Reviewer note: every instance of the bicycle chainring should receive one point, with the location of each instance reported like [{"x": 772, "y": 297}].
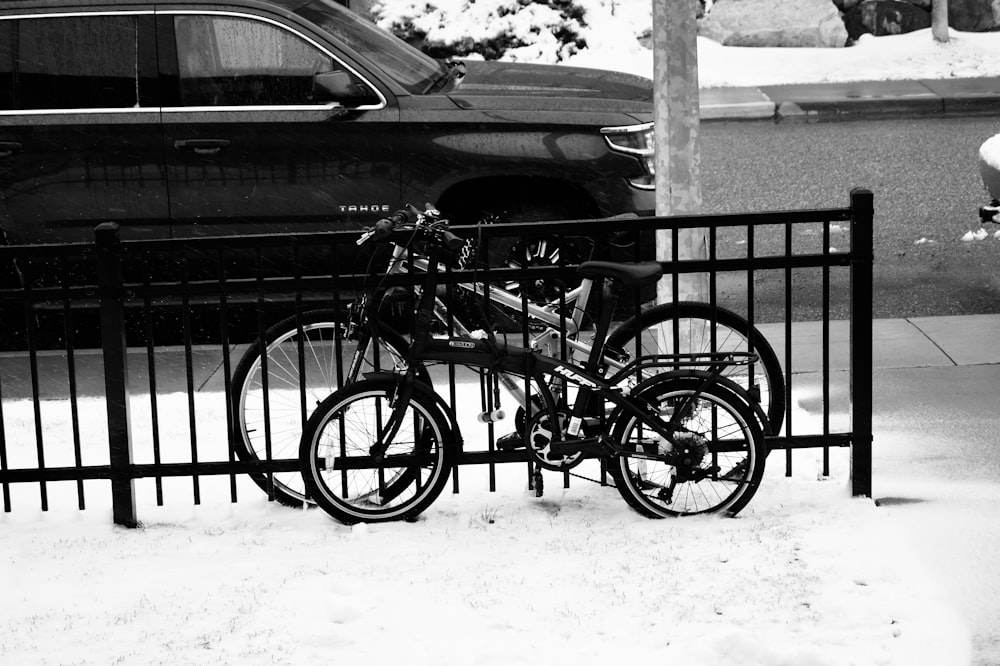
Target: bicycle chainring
[{"x": 541, "y": 435}]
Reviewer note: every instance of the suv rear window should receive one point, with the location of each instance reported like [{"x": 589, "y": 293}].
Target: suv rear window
[{"x": 79, "y": 62}]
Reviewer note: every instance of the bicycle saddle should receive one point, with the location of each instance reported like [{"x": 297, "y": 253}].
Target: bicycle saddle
[{"x": 631, "y": 275}]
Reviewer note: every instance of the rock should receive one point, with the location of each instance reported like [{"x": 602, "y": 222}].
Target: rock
[
  {"x": 774, "y": 23},
  {"x": 894, "y": 17},
  {"x": 974, "y": 15},
  {"x": 885, "y": 17}
]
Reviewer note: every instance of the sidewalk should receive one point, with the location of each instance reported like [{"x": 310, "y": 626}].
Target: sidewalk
[
  {"x": 823, "y": 102},
  {"x": 918, "y": 342},
  {"x": 932, "y": 343}
]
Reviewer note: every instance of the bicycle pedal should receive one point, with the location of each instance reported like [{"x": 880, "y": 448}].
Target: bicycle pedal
[
  {"x": 537, "y": 483},
  {"x": 510, "y": 442}
]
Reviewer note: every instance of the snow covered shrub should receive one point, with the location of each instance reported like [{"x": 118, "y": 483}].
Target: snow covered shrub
[{"x": 519, "y": 30}]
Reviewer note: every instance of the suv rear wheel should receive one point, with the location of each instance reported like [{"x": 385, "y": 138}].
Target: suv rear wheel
[{"x": 516, "y": 252}]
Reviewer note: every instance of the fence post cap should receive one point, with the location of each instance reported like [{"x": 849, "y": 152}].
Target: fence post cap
[
  {"x": 106, "y": 233},
  {"x": 862, "y": 197}
]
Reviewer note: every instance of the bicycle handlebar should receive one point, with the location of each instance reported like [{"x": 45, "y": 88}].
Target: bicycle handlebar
[{"x": 428, "y": 224}]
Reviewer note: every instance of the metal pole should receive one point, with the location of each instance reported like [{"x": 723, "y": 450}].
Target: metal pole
[
  {"x": 110, "y": 288},
  {"x": 676, "y": 124},
  {"x": 862, "y": 261}
]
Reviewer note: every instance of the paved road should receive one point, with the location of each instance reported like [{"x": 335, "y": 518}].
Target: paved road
[{"x": 924, "y": 173}]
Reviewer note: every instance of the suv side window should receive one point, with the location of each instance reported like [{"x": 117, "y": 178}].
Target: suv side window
[
  {"x": 230, "y": 61},
  {"x": 78, "y": 62}
]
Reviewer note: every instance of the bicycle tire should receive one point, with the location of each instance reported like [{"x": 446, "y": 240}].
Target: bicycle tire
[
  {"x": 733, "y": 333},
  {"x": 286, "y": 412},
  {"x": 722, "y": 433},
  {"x": 340, "y": 434}
]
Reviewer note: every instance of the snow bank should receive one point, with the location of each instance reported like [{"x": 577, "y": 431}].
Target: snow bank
[{"x": 899, "y": 57}]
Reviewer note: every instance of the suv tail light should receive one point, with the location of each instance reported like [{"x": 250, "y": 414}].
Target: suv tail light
[{"x": 635, "y": 140}]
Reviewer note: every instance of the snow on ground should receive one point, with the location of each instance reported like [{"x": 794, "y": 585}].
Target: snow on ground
[{"x": 805, "y": 576}]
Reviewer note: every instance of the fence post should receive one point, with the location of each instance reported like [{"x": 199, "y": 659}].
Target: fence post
[
  {"x": 110, "y": 294},
  {"x": 862, "y": 262}
]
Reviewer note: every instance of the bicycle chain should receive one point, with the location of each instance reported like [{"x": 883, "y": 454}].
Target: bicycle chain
[{"x": 587, "y": 478}]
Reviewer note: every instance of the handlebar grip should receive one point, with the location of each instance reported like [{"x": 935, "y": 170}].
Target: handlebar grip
[
  {"x": 407, "y": 215},
  {"x": 382, "y": 229},
  {"x": 451, "y": 241}
]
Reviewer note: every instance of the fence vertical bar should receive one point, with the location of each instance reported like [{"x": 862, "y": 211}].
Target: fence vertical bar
[
  {"x": 31, "y": 335},
  {"x": 74, "y": 406},
  {"x": 789, "y": 343},
  {"x": 112, "y": 313},
  {"x": 862, "y": 263},
  {"x": 826, "y": 347}
]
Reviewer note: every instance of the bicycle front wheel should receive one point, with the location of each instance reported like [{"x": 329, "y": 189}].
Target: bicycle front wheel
[
  {"x": 343, "y": 477},
  {"x": 273, "y": 396},
  {"x": 697, "y": 328},
  {"x": 721, "y": 442}
]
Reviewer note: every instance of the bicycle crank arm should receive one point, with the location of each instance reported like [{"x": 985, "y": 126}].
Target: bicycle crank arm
[{"x": 590, "y": 447}]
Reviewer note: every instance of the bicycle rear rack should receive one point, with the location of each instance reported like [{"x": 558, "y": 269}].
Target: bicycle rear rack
[{"x": 681, "y": 361}]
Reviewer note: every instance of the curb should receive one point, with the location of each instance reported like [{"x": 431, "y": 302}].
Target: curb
[{"x": 831, "y": 102}]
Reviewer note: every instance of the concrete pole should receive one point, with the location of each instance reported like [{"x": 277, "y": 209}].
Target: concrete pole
[
  {"x": 676, "y": 122},
  {"x": 939, "y": 20}
]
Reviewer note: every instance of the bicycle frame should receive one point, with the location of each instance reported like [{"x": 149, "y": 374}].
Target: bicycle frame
[
  {"x": 560, "y": 330},
  {"x": 577, "y": 298},
  {"x": 530, "y": 365},
  {"x": 545, "y": 344},
  {"x": 507, "y": 361}
]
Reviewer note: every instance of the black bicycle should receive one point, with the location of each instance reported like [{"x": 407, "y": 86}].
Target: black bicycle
[
  {"x": 304, "y": 358},
  {"x": 677, "y": 436}
]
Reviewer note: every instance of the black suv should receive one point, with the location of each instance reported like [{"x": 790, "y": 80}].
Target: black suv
[{"x": 228, "y": 117}]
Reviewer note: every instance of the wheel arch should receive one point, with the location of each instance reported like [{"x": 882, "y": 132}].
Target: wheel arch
[{"x": 465, "y": 201}]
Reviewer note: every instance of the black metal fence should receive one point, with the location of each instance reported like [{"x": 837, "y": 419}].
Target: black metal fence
[{"x": 119, "y": 356}]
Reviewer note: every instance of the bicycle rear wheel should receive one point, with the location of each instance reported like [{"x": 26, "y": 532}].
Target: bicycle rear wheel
[
  {"x": 696, "y": 328},
  {"x": 269, "y": 422},
  {"x": 343, "y": 477},
  {"x": 721, "y": 441}
]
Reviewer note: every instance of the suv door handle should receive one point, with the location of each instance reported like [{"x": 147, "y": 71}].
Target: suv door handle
[
  {"x": 202, "y": 146},
  {"x": 8, "y": 148}
]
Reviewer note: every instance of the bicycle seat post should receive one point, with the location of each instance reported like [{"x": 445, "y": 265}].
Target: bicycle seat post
[
  {"x": 605, "y": 313},
  {"x": 592, "y": 365}
]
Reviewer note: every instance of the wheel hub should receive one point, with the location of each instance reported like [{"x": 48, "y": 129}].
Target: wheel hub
[
  {"x": 544, "y": 252},
  {"x": 692, "y": 447}
]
